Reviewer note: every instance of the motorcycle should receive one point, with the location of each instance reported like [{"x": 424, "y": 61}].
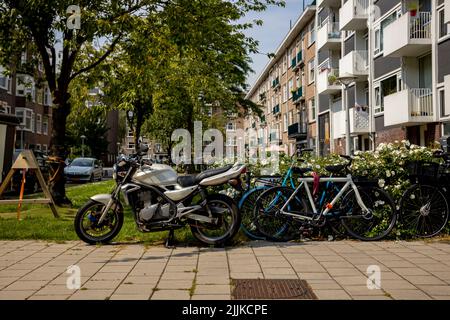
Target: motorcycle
[{"x": 162, "y": 200}]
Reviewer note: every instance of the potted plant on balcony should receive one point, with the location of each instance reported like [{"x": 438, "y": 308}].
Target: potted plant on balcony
[
  {"x": 332, "y": 79},
  {"x": 413, "y": 7}
]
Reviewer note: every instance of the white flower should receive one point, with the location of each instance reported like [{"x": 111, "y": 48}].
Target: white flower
[
  {"x": 381, "y": 183},
  {"x": 412, "y": 196},
  {"x": 388, "y": 173}
]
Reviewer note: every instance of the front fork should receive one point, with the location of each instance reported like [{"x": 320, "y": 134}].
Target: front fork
[{"x": 111, "y": 202}]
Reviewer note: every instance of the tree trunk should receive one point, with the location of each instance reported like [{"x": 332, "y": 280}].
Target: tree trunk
[{"x": 59, "y": 152}]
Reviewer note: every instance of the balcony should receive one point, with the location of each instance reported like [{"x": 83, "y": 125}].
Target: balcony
[
  {"x": 409, "y": 107},
  {"x": 276, "y": 110},
  {"x": 328, "y": 3},
  {"x": 276, "y": 83},
  {"x": 353, "y": 15},
  {"x": 359, "y": 121},
  {"x": 327, "y": 79},
  {"x": 297, "y": 62},
  {"x": 298, "y": 131},
  {"x": 262, "y": 97},
  {"x": 297, "y": 94},
  {"x": 329, "y": 36},
  {"x": 447, "y": 12},
  {"x": 355, "y": 63},
  {"x": 408, "y": 36}
]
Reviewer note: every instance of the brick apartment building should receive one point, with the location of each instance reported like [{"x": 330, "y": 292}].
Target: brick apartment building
[{"x": 397, "y": 56}]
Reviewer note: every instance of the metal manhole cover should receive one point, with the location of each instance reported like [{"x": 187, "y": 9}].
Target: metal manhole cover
[{"x": 271, "y": 289}]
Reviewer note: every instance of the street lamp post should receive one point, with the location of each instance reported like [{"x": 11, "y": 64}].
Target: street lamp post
[
  {"x": 346, "y": 80},
  {"x": 82, "y": 145}
]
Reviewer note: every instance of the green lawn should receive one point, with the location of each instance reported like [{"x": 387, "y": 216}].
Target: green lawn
[{"x": 38, "y": 221}]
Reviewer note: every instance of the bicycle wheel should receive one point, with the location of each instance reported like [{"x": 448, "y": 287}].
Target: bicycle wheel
[
  {"x": 270, "y": 222},
  {"x": 374, "y": 225},
  {"x": 246, "y": 206},
  {"x": 424, "y": 210}
]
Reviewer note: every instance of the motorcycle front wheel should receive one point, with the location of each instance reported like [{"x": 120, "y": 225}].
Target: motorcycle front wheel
[
  {"x": 90, "y": 231},
  {"x": 228, "y": 217}
]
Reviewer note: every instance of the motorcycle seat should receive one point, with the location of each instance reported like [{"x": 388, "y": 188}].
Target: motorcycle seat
[{"x": 191, "y": 180}]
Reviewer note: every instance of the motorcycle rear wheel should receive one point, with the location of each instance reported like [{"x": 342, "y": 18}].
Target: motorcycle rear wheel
[{"x": 225, "y": 209}]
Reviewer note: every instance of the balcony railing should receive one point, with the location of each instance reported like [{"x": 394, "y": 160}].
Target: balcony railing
[
  {"x": 420, "y": 26},
  {"x": 298, "y": 130},
  {"x": 421, "y": 102},
  {"x": 297, "y": 94},
  {"x": 276, "y": 109},
  {"x": 360, "y": 119},
  {"x": 409, "y": 106},
  {"x": 332, "y": 29},
  {"x": 276, "y": 83},
  {"x": 297, "y": 61}
]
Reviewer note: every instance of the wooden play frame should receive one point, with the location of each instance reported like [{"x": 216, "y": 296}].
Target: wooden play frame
[{"x": 27, "y": 161}]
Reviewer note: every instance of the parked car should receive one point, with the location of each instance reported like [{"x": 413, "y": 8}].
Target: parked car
[
  {"x": 84, "y": 170},
  {"x": 31, "y": 183}
]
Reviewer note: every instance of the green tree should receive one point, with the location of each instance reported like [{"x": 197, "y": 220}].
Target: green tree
[{"x": 195, "y": 26}]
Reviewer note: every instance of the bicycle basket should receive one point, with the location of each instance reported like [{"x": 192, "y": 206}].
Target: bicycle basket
[
  {"x": 423, "y": 171},
  {"x": 444, "y": 175},
  {"x": 365, "y": 181}
]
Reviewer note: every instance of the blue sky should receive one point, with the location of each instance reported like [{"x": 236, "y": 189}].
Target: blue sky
[{"x": 272, "y": 32}]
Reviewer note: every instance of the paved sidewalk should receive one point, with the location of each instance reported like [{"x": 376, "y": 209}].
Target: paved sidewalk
[{"x": 335, "y": 270}]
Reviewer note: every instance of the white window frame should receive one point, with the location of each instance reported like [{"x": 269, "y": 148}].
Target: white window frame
[
  {"x": 312, "y": 34},
  {"x": 447, "y": 36},
  {"x": 44, "y": 148},
  {"x": 38, "y": 123},
  {"x": 285, "y": 122},
  {"x": 442, "y": 116},
  {"x": 312, "y": 109},
  {"x": 45, "y": 125},
  {"x": 311, "y": 71}
]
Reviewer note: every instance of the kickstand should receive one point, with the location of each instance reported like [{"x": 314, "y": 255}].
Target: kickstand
[{"x": 170, "y": 241}]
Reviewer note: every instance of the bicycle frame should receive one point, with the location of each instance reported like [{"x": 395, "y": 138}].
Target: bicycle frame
[{"x": 304, "y": 184}]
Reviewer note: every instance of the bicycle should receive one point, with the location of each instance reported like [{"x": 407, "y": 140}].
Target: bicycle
[
  {"x": 247, "y": 201},
  {"x": 424, "y": 207},
  {"x": 366, "y": 211}
]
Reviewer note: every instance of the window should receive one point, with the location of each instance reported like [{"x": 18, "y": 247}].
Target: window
[
  {"x": 290, "y": 120},
  {"x": 230, "y": 126},
  {"x": 5, "y": 107},
  {"x": 378, "y": 107},
  {"x": 444, "y": 30},
  {"x": 311, "y": 71},
  {"x": 38, "y": 123},
  {"x": 130, "y": 145},
  {"x": 384, "y": 88},
  {"x": 26, "y": 117},
  {"x": 312, "y": 34},
  {"x": 445, "y": 110},
  {"x": 387, "y": 21},
  {"x": 47, "y": 97},
  {"x": 312, "y": 109},
  {"x": 285, "y": 122},
  {"x": 45, "y": 125},
  {"x": 33, "y": 122},
  {"x": 290, "y": 87},
  {"x": 44, "y": 148},
  {"x": 4, "y": 81},
  {"x": 38, "y": 147},
  {"x": 377, "y": 48},
  {"x": 285, "y": 93}
]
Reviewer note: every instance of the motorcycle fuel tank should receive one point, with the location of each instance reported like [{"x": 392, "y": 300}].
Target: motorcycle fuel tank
[{"x": 156, "y": 174}]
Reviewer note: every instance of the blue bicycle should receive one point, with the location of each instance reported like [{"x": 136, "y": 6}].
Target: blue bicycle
[{"x": 247, "y": 202}]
